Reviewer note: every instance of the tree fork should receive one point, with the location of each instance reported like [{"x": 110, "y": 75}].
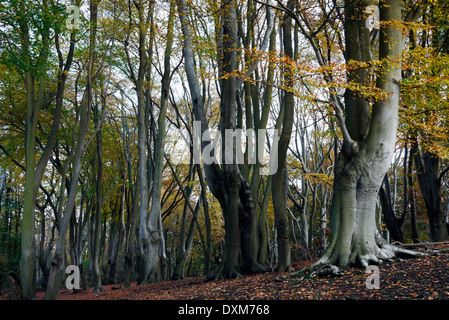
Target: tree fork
[{"x": 355, "y": 239}]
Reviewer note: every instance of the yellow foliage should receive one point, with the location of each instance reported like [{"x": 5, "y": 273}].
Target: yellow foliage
[{"x": 424, "y": 100}]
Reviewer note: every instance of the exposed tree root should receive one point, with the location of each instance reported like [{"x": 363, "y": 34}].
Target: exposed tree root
[
  {"x": 380, "y": 253},
  {"x": 327, "y": 270},
  {"x": 255, "y": 267},
  {"x": 221, "y": 273},
  {"x": 100, "y": 289}
]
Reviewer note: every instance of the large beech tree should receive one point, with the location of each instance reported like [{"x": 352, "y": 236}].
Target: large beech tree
[
  {"x": 369, "y": 141},
  {"x": 368, "y": 129},
  {"x": 225, "y": 181}
]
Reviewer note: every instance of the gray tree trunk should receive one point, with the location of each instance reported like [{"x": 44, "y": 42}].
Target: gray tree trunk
[
  {"x": 428, "y": 173},
  {"x": 359, "y": 172},
  {"x": 280, "y": 178},
  {"x": 226, "y": 183},
  {"x": 94, "y": 259},
  {"x": 151, "y": 226},
  {"x": 182, "y": 254},
  {"x": 142, "y": 139},
  {"x": 56, "y": 267},
  {"x": 394, "y": 224}
]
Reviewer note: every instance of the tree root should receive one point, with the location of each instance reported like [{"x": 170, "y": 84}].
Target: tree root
[
  {"x": 255, "y": 267},
  {"x": 327, "y": 270},
  {"x": 219, "y": 274},
  {"x": 100, "y": 289},
  {"x": 382, "y": 252},
  {"x": 223, "y": 272}
]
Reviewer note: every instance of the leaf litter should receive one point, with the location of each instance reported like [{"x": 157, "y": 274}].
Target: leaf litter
[{"x": 424, "y": 278}]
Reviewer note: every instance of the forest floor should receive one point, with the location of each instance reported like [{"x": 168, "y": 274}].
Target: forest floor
[{"x": 423, "y": 278}]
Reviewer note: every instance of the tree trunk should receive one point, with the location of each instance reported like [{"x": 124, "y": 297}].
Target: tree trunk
[
  {"x": 133, "y": 219},
  {"x": 411, "y": 200},
  {"x": 258, "y": 218},
  {"x": 280, "y": 178},
  {"x": 147, "y": 240},
  {"x": 94, "y": 259},
  {"x": 182, "y": 256},
  {"x": 262, "y": 230},
  {"x": 115, "y": 241},
  {"x": 208, "y": 253},
  {"x": 33, "y": 108},
  {"x": 428, "y": 172},
  {"x": 394, "y": 224},
  {"x": 34, "y": 103},
  {"x": 155, "y": 248},
  {"x": 27, "y": 260},
  {"x": 226, "y": 183},
  {"x": 45, "y": 253},
  {"x": 359, "y": 173},
  {"x": 188, "y": 244},
  {"x": 56, "y": 270},
  {"x": 230, "y": 170},
  {"x": 357, "y": 39}
]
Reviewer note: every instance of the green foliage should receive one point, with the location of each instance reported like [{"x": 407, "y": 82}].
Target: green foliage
[{"x": 36, "y": 21}]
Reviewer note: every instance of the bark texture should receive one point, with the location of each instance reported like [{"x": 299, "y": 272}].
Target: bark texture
[
  {"x": 360, "y": 170},
  {"x": 280, "y": 178},
  {"x": 225, "y": 181}
]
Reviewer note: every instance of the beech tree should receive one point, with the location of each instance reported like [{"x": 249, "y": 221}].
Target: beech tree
[
  {"x": 368, "y": 142},
  {"x": 369, "y": 136},
  {"x": 280, "y": 178},
  {"x": 57, "y": 264},
  {"x": 227, "y": 182}
]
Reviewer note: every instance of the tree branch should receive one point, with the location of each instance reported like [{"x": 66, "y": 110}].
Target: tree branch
[
  {"x": 442, "y": 174},
  {"x": 350, "y": 146}
]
